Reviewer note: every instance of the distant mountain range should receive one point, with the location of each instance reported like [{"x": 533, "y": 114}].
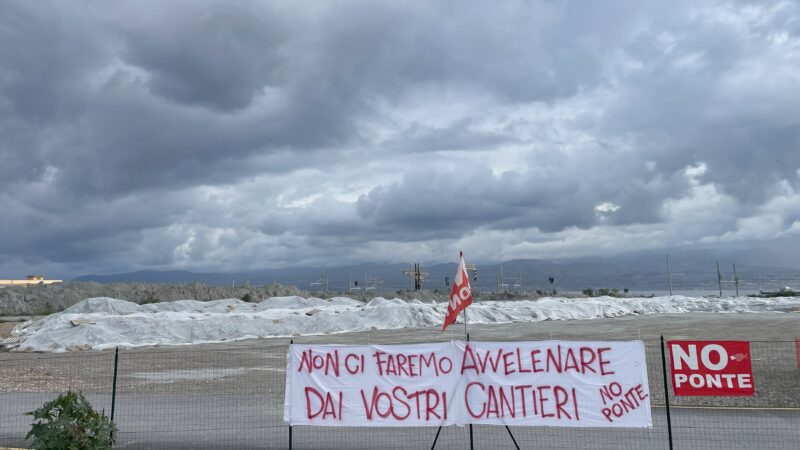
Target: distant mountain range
[{"x": 693, "y": 269}]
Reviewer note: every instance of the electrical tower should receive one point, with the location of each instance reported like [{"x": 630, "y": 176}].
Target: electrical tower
[
  {"x": 322, "y": 282},
  {"x": 518, "y": 283},
  {"x": 371, "y": 284},
  {"x": 473, "y": 270},
  {"x": 417, "y": 275},
  {"x": 504, "y": 282},
  {"x": 502, "y": 286}
]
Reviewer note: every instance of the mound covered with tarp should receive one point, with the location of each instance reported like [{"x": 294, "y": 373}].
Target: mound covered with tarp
[{"x": 99, "y": 323}]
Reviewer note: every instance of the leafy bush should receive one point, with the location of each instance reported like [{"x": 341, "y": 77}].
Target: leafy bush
[
  {"x": 247, "y": 298},
  {"x": 70, "y": 422},
  {"x": 589, "y": 292}
]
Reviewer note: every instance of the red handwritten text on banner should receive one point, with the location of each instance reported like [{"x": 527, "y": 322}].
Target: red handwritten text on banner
[{"x": 577, "y": 384}]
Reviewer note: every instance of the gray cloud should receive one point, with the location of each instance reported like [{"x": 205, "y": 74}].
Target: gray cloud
[{"x": 213, "y": 135}]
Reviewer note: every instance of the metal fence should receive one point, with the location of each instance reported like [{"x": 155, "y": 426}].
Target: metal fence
[{"x": 231, "y": 396}]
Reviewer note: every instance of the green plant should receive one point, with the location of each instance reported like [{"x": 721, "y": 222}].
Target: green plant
[
  {"x": 70, "y": 422},
  {"x": 589, "y": 292},
  {"x": 247, "y": 298}
]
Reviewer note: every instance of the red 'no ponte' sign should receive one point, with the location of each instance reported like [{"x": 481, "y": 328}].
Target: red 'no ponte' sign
[{"x": 711, "y": 368}]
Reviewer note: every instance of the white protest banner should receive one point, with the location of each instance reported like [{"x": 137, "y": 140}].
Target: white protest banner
[{"x": 540, "y": 383}]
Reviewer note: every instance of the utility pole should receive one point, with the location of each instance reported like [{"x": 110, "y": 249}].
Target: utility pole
[
  {"x": 502, "y": 286},
  {"x": 735, "y": 279},
  {"x": 417, "y": 275},
  {"x": 669, "y": 276},
  {"x": 719, "y": 280}
]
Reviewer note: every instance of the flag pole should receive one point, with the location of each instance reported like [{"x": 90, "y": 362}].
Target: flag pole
[
  {"x": 461, "y": 272},
  {"x": 466, "y": 335},
  {"x": 464, "y": 311}
]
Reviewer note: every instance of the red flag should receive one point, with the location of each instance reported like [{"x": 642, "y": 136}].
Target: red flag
[{"x": 460, "y": 295}]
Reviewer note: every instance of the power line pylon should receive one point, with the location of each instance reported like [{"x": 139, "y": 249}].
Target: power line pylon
[
  {"x": 417, "y": 275},
  {"x": 322, "y": 282},
  {"x": 371, "y": 284}
]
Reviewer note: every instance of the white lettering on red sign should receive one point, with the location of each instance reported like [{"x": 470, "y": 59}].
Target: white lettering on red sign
[{"x": 722, "y": 369}]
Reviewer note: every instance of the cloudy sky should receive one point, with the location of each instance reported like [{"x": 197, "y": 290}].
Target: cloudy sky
[{"x": 209, "y": 135}]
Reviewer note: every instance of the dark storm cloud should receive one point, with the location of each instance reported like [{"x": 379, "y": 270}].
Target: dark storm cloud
[
  {"x": 210, "y": 134},
  {"x": 219, "y": 56}
]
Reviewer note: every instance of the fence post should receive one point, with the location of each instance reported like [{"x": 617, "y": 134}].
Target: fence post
[
  {"x": 666, "y": 391},
  {"x": 114, "y": 385},
  {"x": 471, "y": 442},
  {"x": 291, "y": 341}
]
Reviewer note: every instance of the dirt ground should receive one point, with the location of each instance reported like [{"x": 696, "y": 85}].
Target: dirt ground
[
  {"x": 191, "y": 396},
  {"x": 6, "y": 327},
  {"x": 236, "y": 367}
]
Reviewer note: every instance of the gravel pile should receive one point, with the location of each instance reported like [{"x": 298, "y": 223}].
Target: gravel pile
[{"x": 47, "y": 299}]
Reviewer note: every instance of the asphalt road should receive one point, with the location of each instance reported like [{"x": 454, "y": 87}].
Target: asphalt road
[{"x": 242, "y": 421}]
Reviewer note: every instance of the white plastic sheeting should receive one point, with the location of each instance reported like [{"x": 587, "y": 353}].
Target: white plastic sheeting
[{"x": 106, "y": 322}]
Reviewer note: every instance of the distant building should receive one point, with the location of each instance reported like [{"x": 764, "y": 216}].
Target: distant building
[{"x": 30, "y": 279}]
